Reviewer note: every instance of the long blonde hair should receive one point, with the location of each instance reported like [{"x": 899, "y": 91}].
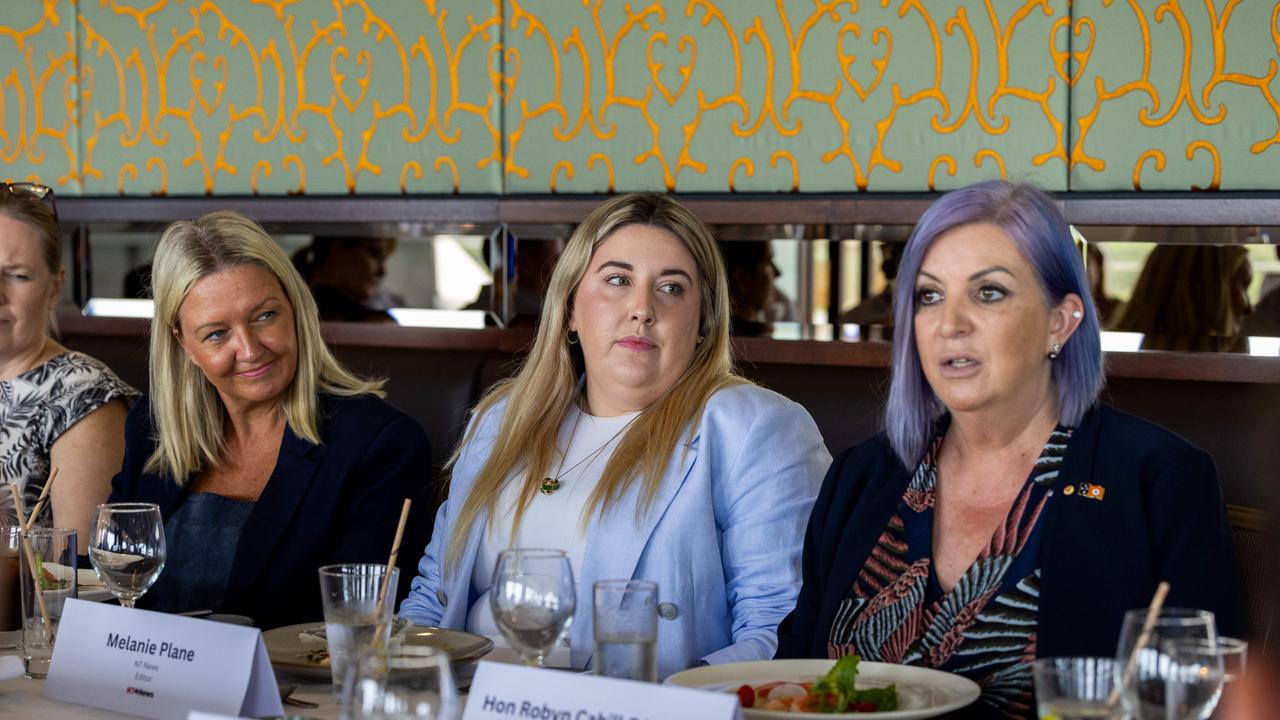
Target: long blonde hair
[
  {"x": 540, "y": 395},
  {"x": 185, "y": 408},
  {"x": 1184, "y": 297}
]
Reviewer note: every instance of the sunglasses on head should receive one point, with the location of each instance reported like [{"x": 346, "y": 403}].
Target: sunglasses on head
[{"x": 33, "y": 190}]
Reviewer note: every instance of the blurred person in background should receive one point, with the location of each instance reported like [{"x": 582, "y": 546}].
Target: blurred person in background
[
  {"x": 58, "y": 408},
  {"x": 749, "y": 267},
  {"x": 345, "y": 276},
  {"x": 1194, "y": 296},
  {"x": 535, "y": 260},
  {"x": 267, "y": 457}
]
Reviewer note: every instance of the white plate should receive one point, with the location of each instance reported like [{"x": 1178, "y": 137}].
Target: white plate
[
  {"x": 922, "y": 693},
  {"x": 94, "y": 594},
  {"x": 288, "y": 651}
]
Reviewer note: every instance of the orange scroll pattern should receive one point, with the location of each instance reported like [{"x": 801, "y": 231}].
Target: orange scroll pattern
[
  {"x": 789, "y": 95},
  {"x": 192, "y": 97},
  {"x": 181, "y": 97},
  {"x": 1175, "y": 95}
]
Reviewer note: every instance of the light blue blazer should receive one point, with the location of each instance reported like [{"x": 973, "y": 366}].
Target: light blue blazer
[{"x": 722, "y": 539}]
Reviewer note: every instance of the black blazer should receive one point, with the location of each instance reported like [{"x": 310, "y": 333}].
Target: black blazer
[
  {"x": 1161, "y": 518},
  {"x": 330, "y": 503}
]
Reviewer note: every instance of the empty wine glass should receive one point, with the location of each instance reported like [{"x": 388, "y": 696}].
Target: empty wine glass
[
  {"x": 533, "y": 600},
  {"x": 126, "y": 547},
  {"x": 1143, "y": 666}
]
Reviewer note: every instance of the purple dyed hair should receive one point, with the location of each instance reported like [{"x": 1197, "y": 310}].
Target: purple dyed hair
[{"x": 1030, "y": 217}]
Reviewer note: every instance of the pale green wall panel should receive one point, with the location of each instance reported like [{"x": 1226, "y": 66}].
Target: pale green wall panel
[
  {"x": 1137, "y": 121},
  {"x": 38, "y": 93},
  {"x": 232, "y": 97},
  {"x": 808, "y": 107}
]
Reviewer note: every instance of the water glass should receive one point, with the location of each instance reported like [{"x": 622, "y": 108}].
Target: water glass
[
  {"x": 1194, "y": 679},
  {"x": 625, "y": 629},
  {"x": 1144, "y": 679},
  {"x": 355, "y": 622},
  {"x": 127, "y": 548},
  {"x": 10, "y": 599},
  {"x": 410, "y": 682},
  {"x": 1075, "y": 688},
  {"x": 532, "y": 600},
  {"x": 47, "y": 574}
]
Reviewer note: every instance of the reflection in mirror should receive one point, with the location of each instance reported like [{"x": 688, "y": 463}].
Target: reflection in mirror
[{"x": 1207, "y": 288}]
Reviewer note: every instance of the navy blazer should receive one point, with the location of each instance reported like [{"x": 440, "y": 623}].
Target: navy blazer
[
  {"x": 335, "y": 502},
  {"x": 1161, "y": 518}
]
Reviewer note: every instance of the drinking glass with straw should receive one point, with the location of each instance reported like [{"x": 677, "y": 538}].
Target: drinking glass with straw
[{"x": 358, "y": 600}]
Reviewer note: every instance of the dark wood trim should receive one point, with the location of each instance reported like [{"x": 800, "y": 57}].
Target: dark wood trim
[
  {"x": 1202, "y": 367},
  {"x": 1185, "y": 208}
]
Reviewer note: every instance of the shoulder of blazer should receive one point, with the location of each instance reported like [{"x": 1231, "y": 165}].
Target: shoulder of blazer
[{"x": 1110, "y": 438}]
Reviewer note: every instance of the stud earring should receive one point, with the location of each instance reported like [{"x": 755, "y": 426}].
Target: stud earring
[
  {"x": 1057, "y": 350},
  {"x": 1077, "y": 314}
]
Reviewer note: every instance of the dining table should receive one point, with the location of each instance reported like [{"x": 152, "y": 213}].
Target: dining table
[{"x": 23, "y": 697}]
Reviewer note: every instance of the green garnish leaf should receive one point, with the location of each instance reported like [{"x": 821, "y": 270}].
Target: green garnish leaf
[
  {"x": 838, "y": 682},
  {"x": 836, "y": 691}
]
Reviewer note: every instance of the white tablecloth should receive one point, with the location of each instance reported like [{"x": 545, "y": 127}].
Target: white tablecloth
[{"x": 24, "y": 698}]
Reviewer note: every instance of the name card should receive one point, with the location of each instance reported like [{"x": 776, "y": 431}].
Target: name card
[
  {"x": 502, "y": 691},
  {"x": 159, "y": 666}
]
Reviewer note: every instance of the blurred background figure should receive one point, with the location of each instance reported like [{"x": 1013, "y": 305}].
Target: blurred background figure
[
  {"x": 1109, "y": 308},
  {"x": 345, "y": 276},
  {"x": 878, "y": 309},
  {"x": 534, "y": 262},
  {"x": 1191, "y": 296},
  {"x": 752, "y": 296}
]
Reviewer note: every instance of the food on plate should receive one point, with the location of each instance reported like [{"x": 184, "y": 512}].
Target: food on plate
[
  {"x": 319, "y": 656},
  {"x": 833, "y": 693}
]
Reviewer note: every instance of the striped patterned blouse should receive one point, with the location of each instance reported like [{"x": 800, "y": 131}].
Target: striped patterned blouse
[{"x": 985, "y": 627}]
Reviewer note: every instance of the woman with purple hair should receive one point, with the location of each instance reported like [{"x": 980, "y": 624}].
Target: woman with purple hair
[{"x": 1004, "y": 513}]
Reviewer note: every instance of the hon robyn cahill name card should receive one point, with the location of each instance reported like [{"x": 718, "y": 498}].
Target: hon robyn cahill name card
[
  {"x": 159, "y": 666},
  {"x": 500, "y": 691}
]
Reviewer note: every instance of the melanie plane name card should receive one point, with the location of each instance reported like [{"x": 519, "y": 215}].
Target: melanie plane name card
[
  {"x": 159, "y": 666},
  {"x": 501, "y": 691}
]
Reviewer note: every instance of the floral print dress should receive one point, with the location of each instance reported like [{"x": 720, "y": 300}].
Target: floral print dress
[
  {"x": 985, "y": 627},
  {"x": 39, "y": 405}
]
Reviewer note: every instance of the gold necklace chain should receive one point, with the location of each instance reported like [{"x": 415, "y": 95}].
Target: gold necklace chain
[{"x": 552, "y": 484}]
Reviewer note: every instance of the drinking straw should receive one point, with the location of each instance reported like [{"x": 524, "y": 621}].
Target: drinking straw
[
  {"x": 395, "y": 551},
  {"x": 31, "y": 559},
  {"x": 1153, "y": 612},
  {"x": 44, "y": 497}
]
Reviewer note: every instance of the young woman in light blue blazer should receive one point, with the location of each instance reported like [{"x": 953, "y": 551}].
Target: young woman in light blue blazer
[{"x": 627, "y": 440}]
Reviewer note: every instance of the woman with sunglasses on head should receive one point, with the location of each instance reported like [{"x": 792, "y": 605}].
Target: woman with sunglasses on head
[
  {"x": 1005, "y": 513},
  {"x": 627, "y": 441},
  {"x": 58, "y": 409}
]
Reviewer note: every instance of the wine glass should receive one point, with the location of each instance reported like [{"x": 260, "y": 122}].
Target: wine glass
[
  {"x": 1143, "y": 666},
  {"x": 1194, "y": 680},
  {"x": 411, "y": 682},
  {"x": 126, "y": 547},
  {"x": 532, "y": 599}
]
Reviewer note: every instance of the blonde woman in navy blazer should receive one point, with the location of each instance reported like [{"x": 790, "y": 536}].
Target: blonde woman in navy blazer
[{"x": 707, "y": 487}]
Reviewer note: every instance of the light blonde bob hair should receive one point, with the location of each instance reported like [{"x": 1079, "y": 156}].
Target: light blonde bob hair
[
  {"x": 544, "y": 390},
  {"x": 186, "y": 410}
]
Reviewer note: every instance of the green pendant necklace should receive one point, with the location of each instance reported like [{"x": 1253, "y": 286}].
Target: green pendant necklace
[{"x": 551, "y": 484}]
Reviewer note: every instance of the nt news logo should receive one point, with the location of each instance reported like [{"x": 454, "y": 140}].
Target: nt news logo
[{"x": 139, "y": 692}]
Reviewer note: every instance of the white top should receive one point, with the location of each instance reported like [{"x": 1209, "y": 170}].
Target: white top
[{"x": 551, "y": 521}]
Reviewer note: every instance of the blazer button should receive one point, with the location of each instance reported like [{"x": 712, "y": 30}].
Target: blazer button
[
  {"x": 444, "y": 599},
  {"x": 668, "y": 611}
]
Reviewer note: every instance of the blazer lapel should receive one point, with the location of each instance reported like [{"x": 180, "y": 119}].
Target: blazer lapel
[
  {"x": 275, "y": 510},
  {"x": 616, "y": 540}
]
